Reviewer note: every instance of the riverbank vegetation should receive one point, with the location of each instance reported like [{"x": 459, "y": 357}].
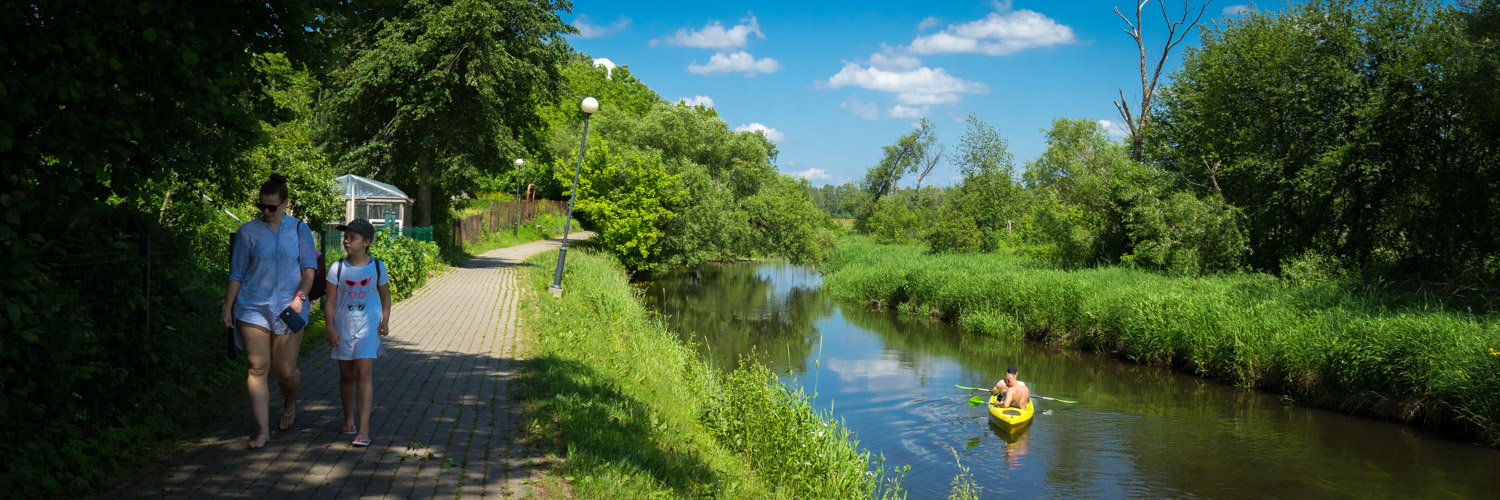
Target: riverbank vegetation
[
  {"x": 1311, "y": 209},
  {"x": 633, "y": 413},
  {"x": 1316, "y": 339}
]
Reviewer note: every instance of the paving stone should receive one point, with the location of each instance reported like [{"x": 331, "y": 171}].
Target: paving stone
[{"x": 444, "y": 383}]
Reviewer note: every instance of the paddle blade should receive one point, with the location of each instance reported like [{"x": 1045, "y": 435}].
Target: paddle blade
[
  {"x": 969, "y": 388},
  {"x": 975, "y": 401}
]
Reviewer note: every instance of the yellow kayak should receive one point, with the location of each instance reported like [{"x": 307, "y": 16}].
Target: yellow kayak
[{"x": 1009, "y": 418}]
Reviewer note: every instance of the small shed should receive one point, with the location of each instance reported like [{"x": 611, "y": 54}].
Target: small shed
[{"x": 366, "y": 198}]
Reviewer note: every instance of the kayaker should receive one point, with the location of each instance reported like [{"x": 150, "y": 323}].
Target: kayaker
[{"x": 1015, "y": 393}]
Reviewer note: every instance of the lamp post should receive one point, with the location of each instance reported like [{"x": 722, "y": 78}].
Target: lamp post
[
  {"x": 589, "y": 106},
  {"x": 517, "y": 205}
]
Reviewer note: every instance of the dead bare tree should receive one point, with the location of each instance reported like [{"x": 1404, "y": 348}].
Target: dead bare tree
[
  {"x": 1177, "y": 31},
  {"x": 929, "y": 159}
]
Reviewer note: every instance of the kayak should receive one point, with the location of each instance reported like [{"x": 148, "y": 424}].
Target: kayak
[{"x": 1010, "y": 418}]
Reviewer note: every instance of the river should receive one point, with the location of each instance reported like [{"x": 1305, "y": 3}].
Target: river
[{"x": 1137, "y": 431}]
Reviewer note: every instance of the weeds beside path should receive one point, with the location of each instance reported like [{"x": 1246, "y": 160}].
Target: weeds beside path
[{"x": 443, "y": 424}]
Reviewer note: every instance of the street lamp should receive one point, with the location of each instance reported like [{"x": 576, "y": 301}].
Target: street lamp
[
  {"x": 517, "y": 210},
  {"x": 589, "y": 106}
]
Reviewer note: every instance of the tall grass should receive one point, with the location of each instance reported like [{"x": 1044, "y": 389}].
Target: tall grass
[
  {"x": 636, "y": 414},
  {"x": 1326, "y": 344}
]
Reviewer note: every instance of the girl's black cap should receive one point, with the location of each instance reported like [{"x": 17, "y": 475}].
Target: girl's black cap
[{"x": 360, "y": 226}]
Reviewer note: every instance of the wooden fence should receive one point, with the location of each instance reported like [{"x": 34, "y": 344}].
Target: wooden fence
[{"x": 501, "y": 216}]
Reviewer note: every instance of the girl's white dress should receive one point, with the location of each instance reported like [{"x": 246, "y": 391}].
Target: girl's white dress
[{"x": 356, "y": 310}]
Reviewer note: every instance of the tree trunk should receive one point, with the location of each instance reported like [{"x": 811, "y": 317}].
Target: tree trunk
[{"x": 424, "y": 191}]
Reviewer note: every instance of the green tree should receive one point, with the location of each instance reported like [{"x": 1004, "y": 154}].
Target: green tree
[
  {"x": 1079, "y": 214},
  {"x": 904, "y": 157},
  {"x": 625, "y": 198},
  {"x": 1358, "y": 130},
  {"x": 438, "y": 94},
  {"x": 988, "y": 195},
  {"x": 733, "y": 203}
]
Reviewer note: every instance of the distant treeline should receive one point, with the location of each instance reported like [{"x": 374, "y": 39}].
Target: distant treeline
[{"x": 1357, "y": 136}]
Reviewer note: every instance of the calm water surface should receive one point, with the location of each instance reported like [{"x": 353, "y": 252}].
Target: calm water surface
[{"x": 1137, "y": 431}]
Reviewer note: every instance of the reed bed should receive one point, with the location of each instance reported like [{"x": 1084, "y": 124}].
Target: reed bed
[{"x": 1412, "y": 360}]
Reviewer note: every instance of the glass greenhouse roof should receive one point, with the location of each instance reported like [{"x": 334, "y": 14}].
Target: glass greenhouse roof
[{"x": 353, "y": 186}]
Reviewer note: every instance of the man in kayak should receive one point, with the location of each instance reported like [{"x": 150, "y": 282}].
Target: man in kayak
[{"x": 1015, "y": 393}]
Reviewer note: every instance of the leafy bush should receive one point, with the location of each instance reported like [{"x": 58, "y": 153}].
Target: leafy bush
[
  {"x": 1185, "y": 235},
  {"x": 407, "y": 259},
  {"x": 956, "y": 232},
  {"x": 1313, "y": 268},
  {"x": 891, "y": 221}
]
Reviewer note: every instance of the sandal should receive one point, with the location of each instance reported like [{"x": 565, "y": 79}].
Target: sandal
[
  {"x": 361, "y": 440},
  {"x": 348, "y": 430},
  {"x": 264, "y": 440},
  {"x": 288, "y": 417}
]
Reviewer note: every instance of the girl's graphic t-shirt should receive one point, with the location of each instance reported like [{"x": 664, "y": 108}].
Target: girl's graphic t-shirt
[{"x": 356, "y": 310}]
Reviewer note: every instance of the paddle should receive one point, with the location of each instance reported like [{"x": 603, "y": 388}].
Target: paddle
[{"x": 976, "y": 398}]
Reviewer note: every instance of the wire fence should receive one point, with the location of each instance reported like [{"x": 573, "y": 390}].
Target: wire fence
[{"x": 109, "y": 290}]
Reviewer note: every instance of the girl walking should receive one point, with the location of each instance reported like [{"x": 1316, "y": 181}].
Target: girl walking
[{"x": 355, "y": 323}]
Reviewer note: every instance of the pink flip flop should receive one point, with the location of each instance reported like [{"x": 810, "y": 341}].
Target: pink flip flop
[
  {"x": 361, "y": 440},
  {"x": 348, "y": 430}
]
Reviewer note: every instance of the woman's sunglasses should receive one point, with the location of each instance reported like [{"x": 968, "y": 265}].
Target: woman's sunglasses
[{"x": 267, "y": 208}]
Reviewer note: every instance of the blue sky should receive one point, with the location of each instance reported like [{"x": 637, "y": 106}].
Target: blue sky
[{"x": 833, "y": 81}]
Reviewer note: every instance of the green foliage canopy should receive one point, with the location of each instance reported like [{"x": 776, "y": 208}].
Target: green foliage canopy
[{"x": 438, "y": 93}]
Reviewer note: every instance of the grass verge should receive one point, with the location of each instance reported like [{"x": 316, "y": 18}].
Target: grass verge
[
  {"x": 634, "y": 414},
  {"x": 1324, "y": 345}
]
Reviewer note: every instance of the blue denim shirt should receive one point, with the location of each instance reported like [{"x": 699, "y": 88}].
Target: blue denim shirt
[{"x": 269, "y": 266}]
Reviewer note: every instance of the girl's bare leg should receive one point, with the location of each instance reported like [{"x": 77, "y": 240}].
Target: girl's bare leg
[
  {"x": 257, "y": 343},
  {"x": 366, "y": 393},
  {"x": 348, "y": 376},
  {"x": 284, "y": 361}
]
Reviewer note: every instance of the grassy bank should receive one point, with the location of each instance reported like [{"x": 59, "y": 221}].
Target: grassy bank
[
  {"x": 1321, "y": 344},
  {"x": 634, "y": 414}
]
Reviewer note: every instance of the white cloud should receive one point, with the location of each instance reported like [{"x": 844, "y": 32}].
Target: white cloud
[
  {"x": 899, "y": 111},
  {"x": 1236, "y": 10},
  {"x": 587, "y": 29},
  {"x": 921, "y": 86},
  {"x": 928, "y": 23},
  {"x": 738, "y": 62},
  {"x": 1002, "y": 32},
  {"x": 864, "y": 110},
  {"x": 714, "y": 36},
  {"x": 891, "y": 59},
  {"x": 1114, "y": 128},
  {"x": 771, "y": 133},
  {"x": 609, "y": 66},
  {"x": 813, "y": 174},
  {"x": 696, "y": 100}
]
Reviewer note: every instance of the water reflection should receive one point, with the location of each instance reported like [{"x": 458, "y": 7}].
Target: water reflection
[
  {"x": 1137, "y": 431},
  {"x": 728, "y": 310}
]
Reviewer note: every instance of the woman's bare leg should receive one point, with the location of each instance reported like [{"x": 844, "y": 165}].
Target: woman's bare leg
[
  {"x": 348, "y": 376},
  {"x": 284, "y": 361},
  {"x": 257, "y": 342}
]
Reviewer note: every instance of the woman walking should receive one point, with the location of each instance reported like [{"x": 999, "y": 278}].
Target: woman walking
[{"x": 270, "y": 274}]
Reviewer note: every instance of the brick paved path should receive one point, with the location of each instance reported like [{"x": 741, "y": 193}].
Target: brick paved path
[{"x": 442, "y": 424}]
